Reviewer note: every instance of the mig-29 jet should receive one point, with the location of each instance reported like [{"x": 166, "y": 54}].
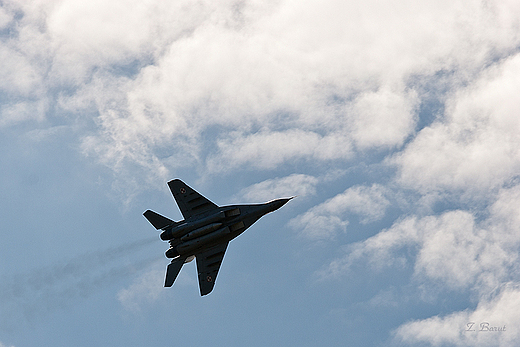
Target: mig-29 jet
[{"x": 205, "y": 232}]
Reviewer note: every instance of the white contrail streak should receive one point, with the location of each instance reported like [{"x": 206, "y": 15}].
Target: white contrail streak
[{"x": 27, "y": 297}]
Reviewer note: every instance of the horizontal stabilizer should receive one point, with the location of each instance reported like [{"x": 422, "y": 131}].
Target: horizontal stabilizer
[
  {"x": 158, "y": 221},
  {"x": 173, "y": 270}
]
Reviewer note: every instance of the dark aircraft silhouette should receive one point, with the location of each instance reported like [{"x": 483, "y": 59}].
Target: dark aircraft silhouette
[{"x": 205, "y": 232}]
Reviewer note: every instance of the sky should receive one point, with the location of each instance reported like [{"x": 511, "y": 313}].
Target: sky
[{"x": 396, "y": 124}]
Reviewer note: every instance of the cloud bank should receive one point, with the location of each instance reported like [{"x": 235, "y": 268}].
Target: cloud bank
[{"x": 298, "y": 78}]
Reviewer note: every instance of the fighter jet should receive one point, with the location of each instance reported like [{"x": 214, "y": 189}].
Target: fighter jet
[{"x": 205, "y": 232}]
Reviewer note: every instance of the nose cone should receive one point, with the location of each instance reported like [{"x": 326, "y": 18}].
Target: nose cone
[{"x": 276, "y": 204}]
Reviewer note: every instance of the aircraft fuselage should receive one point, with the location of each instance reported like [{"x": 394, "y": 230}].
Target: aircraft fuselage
[{"x": 190, "y": 236}]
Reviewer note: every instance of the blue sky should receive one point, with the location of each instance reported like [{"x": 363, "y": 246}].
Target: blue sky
[{"x": 395, "y": 122}]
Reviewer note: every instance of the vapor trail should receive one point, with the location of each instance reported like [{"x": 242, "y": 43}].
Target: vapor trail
[{"x": 27, "y": 297}]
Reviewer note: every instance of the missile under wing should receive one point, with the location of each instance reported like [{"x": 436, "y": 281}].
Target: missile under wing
[{"x": 205, "y": 232}]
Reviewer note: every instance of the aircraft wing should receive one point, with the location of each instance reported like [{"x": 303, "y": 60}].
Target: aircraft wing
[
  {"x": 189, "y": 201},
  {"x": 208, "y": 264},
  {"x": 173, "y": 270}
]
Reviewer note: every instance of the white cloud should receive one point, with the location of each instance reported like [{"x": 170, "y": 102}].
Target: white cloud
[
  {"x": 368, "y": 202},
  {"x": 476, "y": 147},
  {"x": 380, "y": 250},
  {"x": 324, "y": 221},
  {"x": 296, "y": 184},
  {"x": 21, "y": 86},
  {"x": 383, "y": 118},
  {"x": 315, "y": 77},
  {"x": 469, "y": 328},
  {"x": 452, "y": 250},
  {"x": 5, "y": 18},
  {"x": 18, "y": 76},
  {"x": 81, "y": 37},
  {"x": 318, "y": 79},
  {"x": 267, "y": 150}
]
